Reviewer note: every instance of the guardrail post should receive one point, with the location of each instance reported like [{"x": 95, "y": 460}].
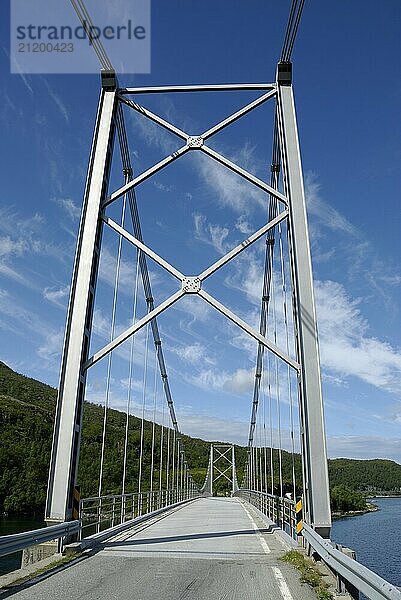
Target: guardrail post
[
  {"x": 344, "y": 586},
  {"x": 113, "y": 510}
]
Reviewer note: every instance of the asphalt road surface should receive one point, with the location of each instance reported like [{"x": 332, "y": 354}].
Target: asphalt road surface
[{"x": 210, "y": 549}]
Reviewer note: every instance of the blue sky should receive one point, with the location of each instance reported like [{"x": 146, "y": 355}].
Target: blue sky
[{"x": 348, "y": 92}]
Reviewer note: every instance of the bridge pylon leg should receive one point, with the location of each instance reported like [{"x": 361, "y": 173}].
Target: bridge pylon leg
[
  {"x": 313, "y": 439},
  {"x": 68, "y": 418}
]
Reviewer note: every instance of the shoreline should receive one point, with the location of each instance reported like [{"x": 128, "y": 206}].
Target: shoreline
[
  {"x": 355, "y": 513},
  {"x": 385, "y": 496}
]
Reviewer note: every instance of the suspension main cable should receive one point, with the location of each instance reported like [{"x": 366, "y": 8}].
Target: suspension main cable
[
  {"x": 87, "y": 24},
  {"x": 292, "y": 29}
]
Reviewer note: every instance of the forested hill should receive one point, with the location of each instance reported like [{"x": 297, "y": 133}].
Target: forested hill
[
  {"x": 26, "y": 427},
  {"x": 366, "y": 475}
]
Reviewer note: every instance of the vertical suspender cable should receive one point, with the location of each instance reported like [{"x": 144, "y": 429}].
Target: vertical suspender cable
[
  {"x": 270, "y": 425},
  {"x": 130, "y": 373},
  {"x": 168, "y": 458},
  {"x": 110, "y": 356},
  {"x": 152, "y": 464},
  {"x": 277, "y": 380},
  {"x": 145, "y": 372},
  {"x": 264, "y": 433},
  {"x": 161, "y": 451},
  {"x": 290, "y": 399},
  {"x": 173, "y": 461}
]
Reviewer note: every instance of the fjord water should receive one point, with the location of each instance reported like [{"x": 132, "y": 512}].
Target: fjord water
[
  {"x": 375, "y": 537},
  {"x": 15, "y": 525}
]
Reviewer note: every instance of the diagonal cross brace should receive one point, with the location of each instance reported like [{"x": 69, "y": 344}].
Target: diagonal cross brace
[
  {"x": 197, "y": 143},
  {"x": 193, "y": 285},
  {"x": 222, "y": 454}
]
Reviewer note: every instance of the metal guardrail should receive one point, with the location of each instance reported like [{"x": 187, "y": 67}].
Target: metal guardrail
[
  {"x": 280, "y": 509},
  {"x": 19, "y": 541},
  {"x": 362, "y": 578}
]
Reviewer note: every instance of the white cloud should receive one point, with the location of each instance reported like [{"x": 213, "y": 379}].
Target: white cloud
[
  {"x": 347, "y": 349},
  {"x": 22, "y": 238},
  {"x": 107, "y": 271},
  {"x": 247, "y": 276},
  {"x": 161, "y": 187},
  {"x": 214, "y": 235},
  {"x": 214, "y": 428},
  {"x": 11, "y": 273},
  {"x": 9, "y": 247},
  {"x": 196, "y": 312},
  {"x": 239, "y": 382},
  {"x": 51, "y": 348},
  {"x": 57, "y": 101},
  {"x": 57, "y": 296},
  {"x": 155, "y": 135},
  {"x": 327, "y": 215},
  {"x": 364, "y": 447},
  {"x": 30, "y": 326},
  {"x": 243, "y": 225},
  {"x": 69, "y": 207},
  {"x": 362, "y": 262},
  {"x": 194, "y": 354},
  {"x": 229, "y": 189}
]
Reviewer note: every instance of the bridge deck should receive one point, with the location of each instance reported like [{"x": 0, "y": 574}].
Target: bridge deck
[{"x": 211, "y": 549}]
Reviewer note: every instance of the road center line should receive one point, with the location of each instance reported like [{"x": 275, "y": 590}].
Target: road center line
[
  {"x": 284, "y": 590},
  {"x": 262, "y": 540}
]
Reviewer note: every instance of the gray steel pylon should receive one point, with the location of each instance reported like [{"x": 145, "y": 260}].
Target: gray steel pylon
[
  {"x": 68, "y": 418},
  {"x": 313, "y": 438}
]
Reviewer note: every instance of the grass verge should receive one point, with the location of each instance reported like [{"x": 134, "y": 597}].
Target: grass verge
[
  {"x": 56, "y": 563},
  {"x": 310, "y": 574}
]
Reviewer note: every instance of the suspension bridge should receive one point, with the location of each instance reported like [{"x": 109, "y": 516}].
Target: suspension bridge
[{"x": 165, "y": 529}]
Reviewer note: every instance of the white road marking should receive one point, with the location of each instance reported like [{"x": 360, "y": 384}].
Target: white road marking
[
  {"x": 285, "y": 592},
  {"x": 262, "y": 540}
]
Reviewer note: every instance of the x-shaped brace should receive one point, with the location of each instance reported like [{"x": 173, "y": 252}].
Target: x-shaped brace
[
  {"x": 196, "y": 142},
  {"x": 193, "y": 285}
]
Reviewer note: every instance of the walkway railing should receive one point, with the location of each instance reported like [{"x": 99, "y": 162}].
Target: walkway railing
[
  {"x": 102, "y": 512},
  {"x": 280, "y": 509},
  {"x": 98, "y": 514}
]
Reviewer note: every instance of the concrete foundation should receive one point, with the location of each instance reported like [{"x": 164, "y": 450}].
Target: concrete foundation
[{"x": 34, "y": 554}]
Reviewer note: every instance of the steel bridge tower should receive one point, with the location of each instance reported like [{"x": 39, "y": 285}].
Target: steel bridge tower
[
  {"x": 221, "y": 465},
  {"x": 291, "y": 204}
]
